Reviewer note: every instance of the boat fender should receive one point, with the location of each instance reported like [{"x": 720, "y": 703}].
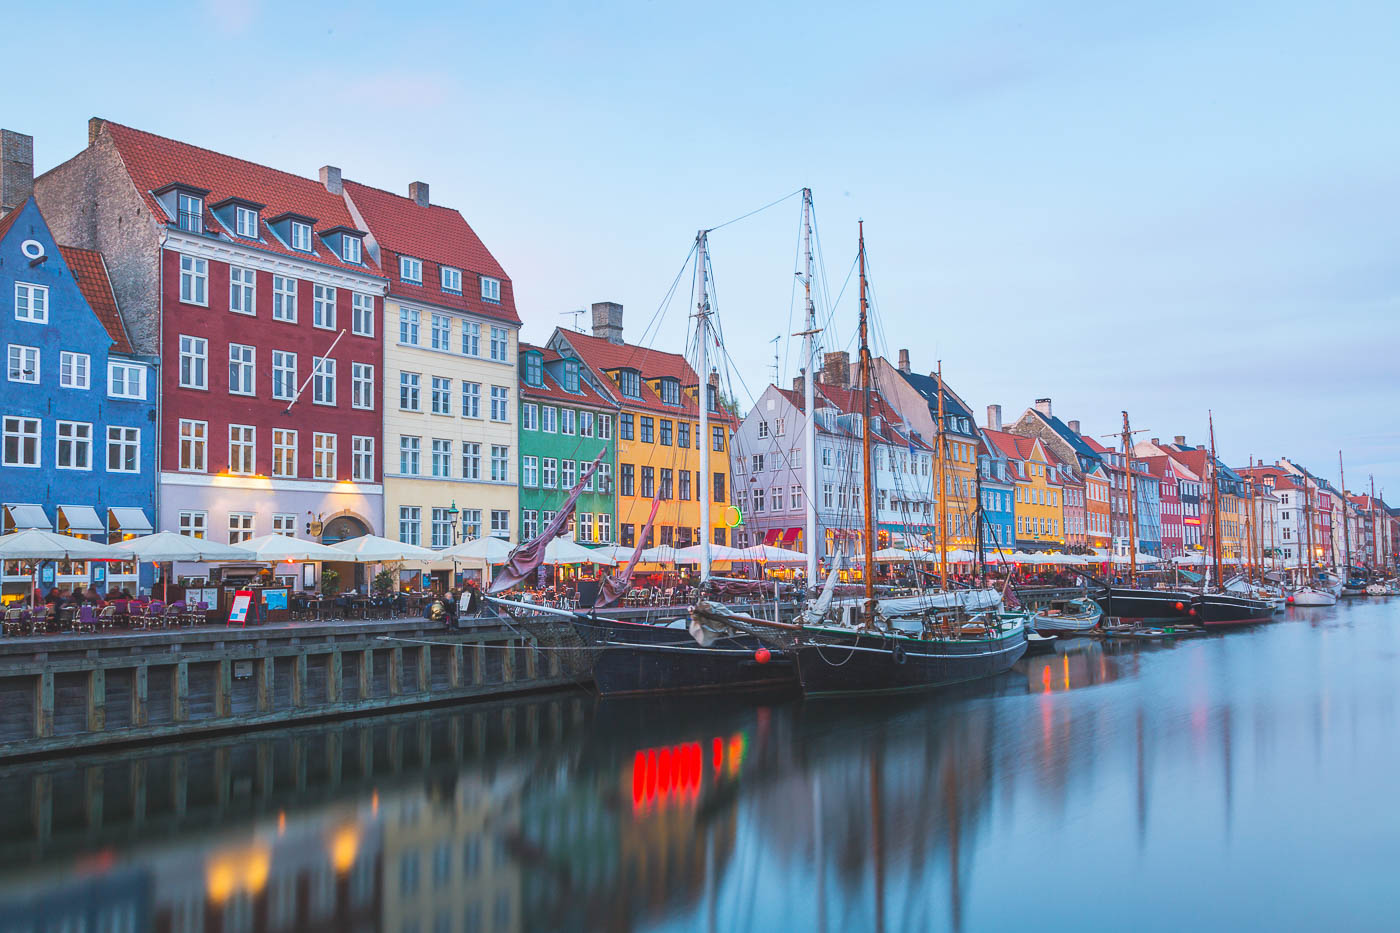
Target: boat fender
[{"x": 898, "y": 654}]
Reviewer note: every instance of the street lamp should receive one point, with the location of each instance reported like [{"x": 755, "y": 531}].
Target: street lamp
[{"x": 452, "y": 513}]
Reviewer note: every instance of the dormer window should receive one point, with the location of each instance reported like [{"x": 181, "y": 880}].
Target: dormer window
[
  {"x": 452, "y": 280},
  {"x": 246, "y": 222},
  {"x": 713, "y": 395},
  {"x": 534, "y": 369},
  {"x": 411, "y": 270},
  {"x": 189, "y": 212},
  {"x": 630, "y": 382},
  {"x": 301, "y": 236},
  {"x": 670, "y": 391},
  {"x": 571, "y": 375},
  {"x": 490, "y": 289},
  {"x": 351, "y": 249}
]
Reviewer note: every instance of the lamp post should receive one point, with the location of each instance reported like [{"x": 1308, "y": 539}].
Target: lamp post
[{"x": 452, "y": 513}]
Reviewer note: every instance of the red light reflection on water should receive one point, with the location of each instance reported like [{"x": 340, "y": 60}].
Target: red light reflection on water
[{"x": 673, "y": 774}]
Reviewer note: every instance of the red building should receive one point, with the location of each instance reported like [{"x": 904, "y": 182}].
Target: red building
[{"x": 1173, "y": 526}]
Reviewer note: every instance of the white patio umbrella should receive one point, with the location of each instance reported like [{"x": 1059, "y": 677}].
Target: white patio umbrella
[
  {"x": 275, "y": 548},
  {"x": 34, "y": 545},
  {"x": 374, "y": 549},
  {"x": 492, "y": 549},
  {"x": 767, "y": 553},
  {"x": 569, "y": 551},
  {"x": 958, "y": 555},
  {"x": 166, "y": 546},
  {"x": 896, "y": 555},
  {"x": 661, "y": 554},
  {"x": 691, "y": 555}
]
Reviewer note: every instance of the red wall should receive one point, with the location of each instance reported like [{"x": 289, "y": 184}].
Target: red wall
[{"x": 221, "y": 327}]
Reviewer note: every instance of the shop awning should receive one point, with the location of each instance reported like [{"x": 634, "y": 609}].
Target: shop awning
[
  {"x": 771, "y": 535},
  {"x": 129, "y": 521},
  {"x": 28, "y": 516},
  {"x": 790, "y": 536},
  {"x": 81, "y": 519}
]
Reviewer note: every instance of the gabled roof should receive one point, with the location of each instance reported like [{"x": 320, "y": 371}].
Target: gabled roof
[
  {"x": 927, "y": 386},
  {"x": 440, "y": 236},
  {"x": 1079, "y": 444},
  {"x": 8, "y": 220},
  {"x": 1011, "y": 446},
  {"x": 607, "y": 356},
  {"x": 90, "y": 272},
  {"x": 553, "y": 391},
  {"x": 154, "y": 162},
  {"x": 851, "y": 402}
]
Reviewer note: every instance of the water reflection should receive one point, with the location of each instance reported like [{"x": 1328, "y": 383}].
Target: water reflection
[{"x": 1230, "y": 764}]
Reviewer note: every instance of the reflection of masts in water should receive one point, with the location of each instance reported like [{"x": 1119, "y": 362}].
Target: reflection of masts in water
[
  {"x": 877, "y": 838},
  {"x": 817, "y": 818},
  {"x": 953, "y": 812},
  {"x": 1229, "y": 768},
  {"x": 1141, "y": 783}
]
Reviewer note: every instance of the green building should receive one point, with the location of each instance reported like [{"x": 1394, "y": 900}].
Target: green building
[{"x": 567, "y": 415}]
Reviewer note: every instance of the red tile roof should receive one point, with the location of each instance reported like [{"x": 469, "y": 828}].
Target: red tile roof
[
  {"x": 91, "y": 274},
  {"x": 8, "y": 220},
  {"x": 440, "y": 236},
  {"x": 849, "y": 401},
  {"x": 154, "y": 161},
  {"x": 554, "y": 392},
  {"x": 607, "y": 357}
]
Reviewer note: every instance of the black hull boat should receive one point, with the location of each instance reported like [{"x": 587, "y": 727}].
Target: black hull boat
[
  {"x": 1147, "y": 605},
  {"x": 1217, "y": 610},
  {"x": 843, "y": 661},
  {"x": 641, "y": 657}
]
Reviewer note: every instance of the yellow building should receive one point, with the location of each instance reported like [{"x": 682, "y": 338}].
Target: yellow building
[
  {"x": 1040, "y": 523},
  {"x": 449, "y": 378},
  {"x": 658, "y": 437}
]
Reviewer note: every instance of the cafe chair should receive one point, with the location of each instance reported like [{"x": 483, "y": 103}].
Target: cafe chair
[
  {"x": 86, "y": 620},
  {"x": 107, "y": 617}
]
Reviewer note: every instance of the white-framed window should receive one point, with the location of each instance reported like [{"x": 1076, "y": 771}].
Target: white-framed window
[
  {"x": 410, "y": 452},
  {"x": 73, "y": 445},
  {"x": 126, "y": 380},
  {"x": 362, "y": 385},
  {"x": 242, "y": 449},
  {"x": 549, "y": 419},
  {"x": 500, "y": 344},
  {"x": 362, "y": 314},
  {"x": 242, "y": 290},
  {"x": 410, "y": 524},
  {"x": 194, "y": 280},
  {"x": 31, "y": 303},
  {"x": 323, "y": 380},
  {"x": 441, "y": 537},
  {"x": 583, "y": 528},
  {"x": 24, "y": 364},
  {"x": 549, "y": 473},
  {"x": 605, "y": 427},
  {"x": 500, "y": 523},
  {"x": 500, "y": 403},
  {"x": 585, "y": 424},
  {"x": 194, "y": 359},
  {"x": 568, "y": 420},
  {"x": 411, "y": 270},
  {"x": 605, "y": 535},
  {"x": 284, "y": 452},
  {"x": 530, "y": 471},
  {"x": 490, "y": 289},
  {"x": 284, "y": 523},
  {"x": 441, "y": 399},
  {"x": 284, "y": 374},
  {"x": 529, "y": 417},
  {"x": 442, "y": 457},
  {"x": 323, "y": 455},
  {"x": 245, "y": 222},
  {"x": 123, "y": 449},
  {"x": 351, "y": 249},
  {"x": 323, "y": 306},
  {"x": 471, "y": 338},
  {"x": 22, "y": 439},
  {"x": 301, "y": 236},
  {"x": 189, "y": 212},
  {"x": 194, "y": 446},
  {"x": 408, "y": 326},
  {"x": 529, "y": 523},
  {"x": 440, "y": 332},
  {"x": 194, "y": 524},
  {"x": 408, "y": 391},
  {"x": 362, "y": 459},
  {"x": 452, "y": 280},
  {"x": 240, "y": 369},
  {"x": 567, "y": 477},
  {"x": 74, "y": 370},
  {"x": 471, "y": 399},
  {"x": 284, "y": 299},
  {"x": 471, "y": 524}
]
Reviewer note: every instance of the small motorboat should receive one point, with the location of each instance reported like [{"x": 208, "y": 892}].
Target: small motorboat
[
  {"x": 1313, "y": 596},
  {"x": 1379, "y": 589},
  {"x": 1071, "y": 615}
]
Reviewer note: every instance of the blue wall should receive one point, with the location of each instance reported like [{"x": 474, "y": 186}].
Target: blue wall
[{"x": 998, "y": 504}]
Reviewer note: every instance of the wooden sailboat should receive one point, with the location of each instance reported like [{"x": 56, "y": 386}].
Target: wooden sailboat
[{"x": 1219, "y": 607}]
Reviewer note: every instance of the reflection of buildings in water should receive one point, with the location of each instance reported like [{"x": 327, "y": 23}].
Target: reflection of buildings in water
[
  {"x": 1081, "y": 662},
  {"x": 112, "y": 900},
  {"x": 569, "y": 851}
]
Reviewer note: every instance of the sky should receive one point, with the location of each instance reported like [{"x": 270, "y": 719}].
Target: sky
[{"x": 1164, "y": 208}]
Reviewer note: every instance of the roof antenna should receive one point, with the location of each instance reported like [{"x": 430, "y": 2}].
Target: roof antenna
[
  {"x": 576, "y": 312},
  {"x": 774, "y": 342}
]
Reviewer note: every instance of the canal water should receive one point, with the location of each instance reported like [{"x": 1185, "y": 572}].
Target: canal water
[{"x": 1231, "y": 782}]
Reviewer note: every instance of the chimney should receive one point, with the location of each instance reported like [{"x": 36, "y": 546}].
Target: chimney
[
  {"x": 1156, "y": 442},
  {"x": 607, "y": 321},
  {"x": 994, "y": 417},
  {"x": 418, "y": 191},
  {"x": 1074, "y": 427},
  {"x": 836, "y": 369},
  {"x": 799, "y": 386},
  {"x": 16, "y": 169},
  {"x": 1042, "y": 405},
  {"x": 1179, "y": 440},
  {"x": 95, "y": 125},
  {"x": 904, "y": 361},
  {"x": 1200, "y": 446},
  {"x": 330, "y": 179}
]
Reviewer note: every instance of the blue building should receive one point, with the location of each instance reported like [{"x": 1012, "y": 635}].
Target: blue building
[
  {"x": 1149, "y": 509},
  {"x": 78, "y": 408},
  {"x": 998, "y": 499}
]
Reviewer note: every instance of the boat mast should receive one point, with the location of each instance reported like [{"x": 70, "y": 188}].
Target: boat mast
[
  {"x": 1307, "y": 517},
  {"x": 702, "y": 397},
  {"x": 1249, "y": 526},
  {"x": 942, "y": 478},
  {"x": 981, "y": 517},
  {"x": 809, "y": 392},
  {"x": 1214, "y": 500},
  {"x": 1375, "y": 532},
  {"x": 1346, "y": 520},
  {"x": 865, "y": 439},
  {"x": 1132, "y": 497}
]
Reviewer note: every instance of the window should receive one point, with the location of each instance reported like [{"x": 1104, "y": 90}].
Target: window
[
  {"x": 530, "y": 471},
  {"x": 410, "y": 269},
  {"x": 648, "y": 429},
  {"x": 284, "y": 523},
  {"x": 123, "y": 450},
  {"x": 625, "y": 426},
  {"x": 630, "y": 382},
  {"x": 440, "y": 332},
  {"x": 683, "y": 434},
  {"x": 21, "y": 442},
  {"x": 442, "y": 457},
  {"x": 499, "y": 344},
  {"x": 245, "y": 222},
  {"x": 408, "y": 326},
  {"x": 193, "y": 524},
  {"x": 189, "y": 212},
  {"x": 500, "y": 463},
  {"x": 31, "y": 303},
  {"x": 795, "y": 497},
  {"x": 566, "y": 474},
  {"x": 719, "y": 487},
  {"x": 441, "y": 396},
  {"x": 762, "y": 429},
  {"x": 126, "y": 381},
  {"x": 665, "y": 432},
  {"x": 534, "y": 369},
  {"x": 500, "y": 399},
  {"x": 551, "y": 473},
  {"x": 685, "y": 485},
  {"x": 490, "y": 289},
  {"x": 242, "y": 290},
  {"x": 605, "y": 427},
  {"x": 471, "y": 462},
  {"x": 73, "y": 370},
  {"x": 240, "y": 526},
  {"x": 583, "y": 528},
  {"x": 627, "y": 475},
  {"x": 500, "y": 523},
  {"x": 604, "y": 527},
  {"x": 758, "y": 500},
  {"x": 301, "y": 236},
  {"x": 362, "y": 314},
  {"x": 194, "y": 280},
  {"x": 441, "y": 535},
  {"x": 24, "y": 364},
  {"x": 529, "y": 523},
  {"x": 471, "y": 400},
  {"x": 585, "y": 424},
  {"x": 471, "y": 338},
  {"x": 408, "y": 391},
  {"x": 361, "y": 385},
  {"x": 530, "y": 416},
  {"x": 322, "y": 380},
  {"x": 409, "y": 450},
  {"x": 240, "y": 369},
  {"x": 452, "y": 280},
  {"x": 671, "y": 395},
  {"x": 549, "y": 419},
  {"x": 648, "y": 482},
  {"x": 351, "y": 249},
  {"x": 242, "y": 449},
  {"x": 323, "y": 451},
  {"x": 717, "y": 439},
  {"x": 471, "y": 524},
  {"x": 284, "y": 374},
  {"x": 362, "y": 459},
  {"x": 194, "y": 352},
  {"x": 323, "y": 306},
  {"x": 74, "y": 445},
  {"x": 284, "y": 299},
  {"x": 410, "y": 524},
  {"x": 757, "y": 463},
  {"x": 667, "y": 486},
  {"x": 194, "y": 439},
  {"x": 284, "y": 452}
]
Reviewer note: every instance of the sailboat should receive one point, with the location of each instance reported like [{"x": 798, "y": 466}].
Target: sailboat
[
  {"x": 1220, "y": 607},
  {"x": 1310, "y": 592}
]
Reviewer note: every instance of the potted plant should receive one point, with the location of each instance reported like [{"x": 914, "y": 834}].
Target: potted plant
[{"x": 330, "y": 582}]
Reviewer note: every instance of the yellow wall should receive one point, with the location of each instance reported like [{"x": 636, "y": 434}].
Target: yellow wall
[
  {"x": 1038, "y": 500},
  {"x": 959, "y": 491}
]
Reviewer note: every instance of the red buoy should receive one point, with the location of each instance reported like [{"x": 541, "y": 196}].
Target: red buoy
[
  {"x": 1290, "y": 600},
  {"x": 763, "y": 655},
  {"x": 1180, "y": 606},
  {"x": 1192, "y": 611}
]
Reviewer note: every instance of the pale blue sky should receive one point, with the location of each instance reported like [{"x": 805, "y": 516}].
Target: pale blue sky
[{"x": 1162, "y": 209}]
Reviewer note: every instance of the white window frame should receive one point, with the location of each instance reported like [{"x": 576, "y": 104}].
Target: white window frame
[
  {"x": 31, "y": 303},
  {"x": 124, "y": 440},
  {"x": 490, "y": 289},
  {"x": 529, "y": 417},
  {"x": 440, "y": 395},
  {"x": 500, "y": 523},
  {"x": 362, "y": 386},
  {"x": 410, "y": 455},
  {"x": 440, "y": 458},
  {"x": 411, "y": 270},
  {"x": 194, "y": 281},
  {"x": 72, "y": 434},
  {"x": 242, "y": 381},
  {"x": 471, "y": 338},
  {"x": 300, "y": 236},
  {"x": 284, "y": 298},
  {"x": 17, "y": 370},
  {"x": 362, "y": 314},
  {"x": 471, "y": 460},
  {"x": 451, "y": 280},
  {"x": 245, "y": 222},
  {"x": 500, "y": 344},
  {"x": 440, "y": 332},
  {"x": 24, "y": 431},
  {"x": 243, "y": 291},
  {"x": 323, "y": 381},
  {"x": 530, "y": 471},
  {"x": 500, "y": 404},
  {"x": 196, "y": 352},
  {"x": 191, "y": 206},
  {"x": 194, "y": 524},
  {"x": 284, "y": 452},
  {"x": 194, "y": 446},
  {"x": 324, "y": 454},
  {"x": 242, "y": 449},
  {"x": 411, "y": 524},
  {"x": 471, "y": 399},
  {"x": 410, "y": 390},
  {"x": 74, "y": 370},
  {"x": 284, "y": 523},
  {"x": 323, "y": 306},
  {"x": 409, "y": 320},
  {"x": 125, "y": 371},
  {"x": 287, "y": 373},
  {"x": 351, "y": 250},
  {"x": 362, "y": 458}
]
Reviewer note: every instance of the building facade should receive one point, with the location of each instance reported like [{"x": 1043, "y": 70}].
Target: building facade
[
  {"x": 1038, "y": 502},
  {"x": 998, "y": 499}
]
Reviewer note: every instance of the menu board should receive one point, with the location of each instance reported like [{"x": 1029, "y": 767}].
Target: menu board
[
  {"x": 238, "y": 612},
  {"x": 275, "y": 599}
]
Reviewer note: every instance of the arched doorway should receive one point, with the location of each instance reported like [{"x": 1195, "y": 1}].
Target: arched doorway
[{"x": 343, "y": 528}]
